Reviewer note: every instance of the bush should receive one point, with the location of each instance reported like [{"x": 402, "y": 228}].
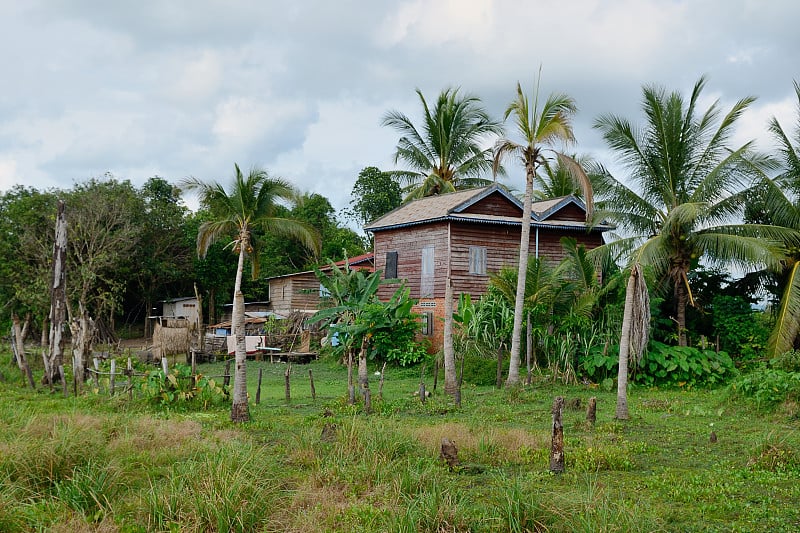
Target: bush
[
  {"x": 179, "y": 387},
  {"x": 481, "y": 371},
  {"x": 664, "y": 365}
]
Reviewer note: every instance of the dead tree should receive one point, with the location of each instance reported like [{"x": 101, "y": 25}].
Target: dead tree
[
  {"x": 58, "y": 303},
  {"x": 557, "y": 442},
  {"x": 18, "y": 334}
]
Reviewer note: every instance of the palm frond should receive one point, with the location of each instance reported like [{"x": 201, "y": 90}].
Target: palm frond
[{"x": 788, "y": 320}]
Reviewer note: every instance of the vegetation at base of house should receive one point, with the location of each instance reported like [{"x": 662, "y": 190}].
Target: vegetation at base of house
[{"x": 98, "y": 463}]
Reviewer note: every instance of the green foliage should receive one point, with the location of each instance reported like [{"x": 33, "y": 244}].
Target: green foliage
[
  {"x": 663, "y": 365},
  {"x": 180, "y": 389},
  {"x": 374, "y": 194},
  {"x": 773, "y": 383},
  {"x": 741, "y": 330},
  {"x": 482, "y": 370},
  {"x": 683, "y": 366}
]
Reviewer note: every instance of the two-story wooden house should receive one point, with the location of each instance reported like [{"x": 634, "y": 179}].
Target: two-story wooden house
[{"x": 466, "y": 236}]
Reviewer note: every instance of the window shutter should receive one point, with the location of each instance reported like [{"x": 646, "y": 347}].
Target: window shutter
[{"x": 391, "y": 265}]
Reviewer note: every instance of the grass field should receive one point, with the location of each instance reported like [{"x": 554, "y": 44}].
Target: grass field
[{"x": 96, "y": 463}]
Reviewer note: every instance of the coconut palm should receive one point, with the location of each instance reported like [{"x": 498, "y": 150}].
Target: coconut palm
[
  {"x": 446, "y": 153},
  {"x": 690, "y": 187},
  {"x": 247, "y": 207},
  {"x": 780, "y": 200},
  {"x": 540, "y": 130}
]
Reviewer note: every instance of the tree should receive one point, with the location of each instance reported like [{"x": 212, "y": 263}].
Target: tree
[
  {"x": 101, "y": 236},
  {"x": 248, "y": 207},
  {"x": 446, "y": 153},
  {"x": 635, "y": 333},
  {"x": 691, "y": 184},
  {"x": 539, "y": 129},
  {"x": 374, "y": 194}
]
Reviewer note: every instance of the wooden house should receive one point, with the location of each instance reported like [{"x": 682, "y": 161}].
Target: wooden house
[
  {"x": 300, "y": 292},
  {"x": 466, "y": 236}
]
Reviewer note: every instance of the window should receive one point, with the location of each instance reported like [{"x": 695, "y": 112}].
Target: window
[
  {"x": 426, "y": 272},
  {"x": 427, "y": 323},
  {"x": 323, "y": 291},
  {"x": 477, "y": 260},
  {"x": 390, "y": 272}
]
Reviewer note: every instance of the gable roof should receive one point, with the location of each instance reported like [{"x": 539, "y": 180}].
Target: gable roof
[{"x": 452, "y": 206}]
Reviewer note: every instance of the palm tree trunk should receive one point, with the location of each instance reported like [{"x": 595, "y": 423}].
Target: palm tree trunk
[
  {"x": 239, "y": 409},
  {"x": 624, "y": 353},
  {"x": 681, "y": 298},
  {"x": 450, "y": 384},
  {"x": 519, "y": 300}
]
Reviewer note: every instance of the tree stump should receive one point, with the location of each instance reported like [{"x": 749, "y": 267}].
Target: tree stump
[
  {"x": 449, "y": 453},
  {"x": 591, "y": 411},
  {"x": 557, "y": 442},
  {"x": 328, "y": 432}
]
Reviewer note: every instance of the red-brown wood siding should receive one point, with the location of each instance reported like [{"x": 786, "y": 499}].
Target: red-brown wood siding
[
  {"x": 495, "y": 204},
  {"x": 294, "y": 293},
  {"x": 569, "y": 212},
  {"x": 502, "y": 249}
]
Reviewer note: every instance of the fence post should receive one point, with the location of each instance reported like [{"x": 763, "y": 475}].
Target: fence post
[
  {"x": 226, "y": 379},
  {"x": 112, "y": 378},
  {"x": 380, "y": 383},
  {"x": 258, "y": 390},
  {"x": 287, "y": 383},
  {"x": 313, "y": 389},
  {"x": 164, "y": 366},
  {"x": 130, "y": 379},
  {"x": 194, "y": 363},
  {"x": 95, "y": 379}
]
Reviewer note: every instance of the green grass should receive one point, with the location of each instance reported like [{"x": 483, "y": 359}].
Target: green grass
[{"x": 95, "y": 463}]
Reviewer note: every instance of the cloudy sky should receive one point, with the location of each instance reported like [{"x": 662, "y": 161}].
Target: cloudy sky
[{"x": 188, "y": 88}]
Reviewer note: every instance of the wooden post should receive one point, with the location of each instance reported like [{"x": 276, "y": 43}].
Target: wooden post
[
  {"x": 591, "y": 411},
  {"x": 367, "y": 400},
  {"x": 380, "y": 385},
  {"x": 58, "y": 298},
  {"x": 130, "y": 379},
  {"x": 194, "y": 362},
  {"x": 313, "y": 389},
  {"x": 112, "y": 378},
  {"x": 287, "y": 384},
  {"x": 435, "y": 374},
  {"x": 258, "y": 390},
  {"x": 422, "y": 384},
  {"x": 164, "y": 366},
  {"x": 74, "y": 376},
  {"x": 63, "y": 379},
  {"x": 226, "y": 380},
  {"x": 528, "y": 348},
  {"x": 351, "y": 390},
  {"x": 557, "y": 442},
  {"x": 499, "y": 378},
  {"x": 457, "y": 396},
  {"x": 95, "y": 379}
]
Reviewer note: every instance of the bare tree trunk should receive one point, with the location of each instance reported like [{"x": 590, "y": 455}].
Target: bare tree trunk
[
  {"x": 449, "y": 355},
  {"x": 624, "y": 351},
  {"x": 240, "y": 411},
  {"x": 557, "y": 442},
  {"x": 635, "y": 333},
  {"x": 522, "y": 272},
  {"x": 58, "y": 299},
  {"x": 591, "y": 411},
  {"x": 363, "y": 375},
  {"x": 18, "y": 346},
  {"x": 82, "y": 334}
]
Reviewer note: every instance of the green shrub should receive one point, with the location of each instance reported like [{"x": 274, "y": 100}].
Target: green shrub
[
  {"x": 481, "y": 371},
  {"x": 768, "y": 386},
  {"x": 180, "y": 387},
  {"x": 683, "y": 366}
]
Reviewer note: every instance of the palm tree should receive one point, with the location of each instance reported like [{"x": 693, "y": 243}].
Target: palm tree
[
  {"x": 691, "y": 185},
  {"x": 540, "y": 129},
  {"x": 446, "y": 153},
  {"x": 780, "y": 199},
  {"x": 249, "y": 206}
]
